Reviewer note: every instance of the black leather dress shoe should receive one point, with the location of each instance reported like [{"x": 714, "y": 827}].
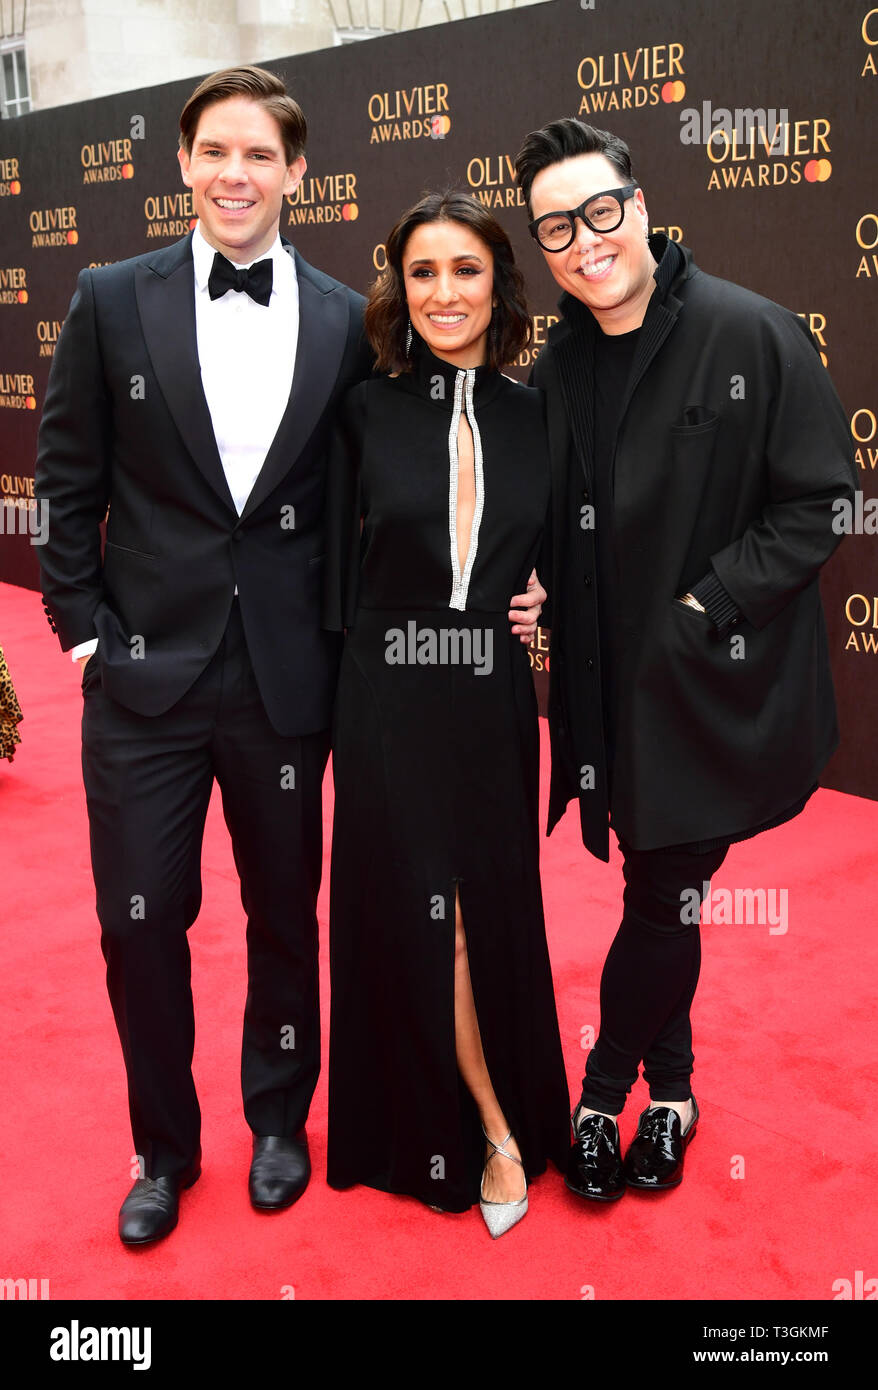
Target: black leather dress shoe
[
  {"x": 654, "y": 1161},
  {"x": 594, "y": 1164},
  {"x": 279, "y": 1171},
  {"x": 150, "y": 1210}
]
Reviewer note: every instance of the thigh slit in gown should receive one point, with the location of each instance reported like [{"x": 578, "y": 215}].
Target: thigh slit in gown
[{"x": 435, "y": 761}]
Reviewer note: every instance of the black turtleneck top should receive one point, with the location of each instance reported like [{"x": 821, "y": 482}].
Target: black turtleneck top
[
  {"x": 613, "y": 356},
  {"x": 393, "y": 465}
]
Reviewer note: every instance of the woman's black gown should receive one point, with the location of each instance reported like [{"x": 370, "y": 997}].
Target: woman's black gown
[{"x": 435, "y": 762}]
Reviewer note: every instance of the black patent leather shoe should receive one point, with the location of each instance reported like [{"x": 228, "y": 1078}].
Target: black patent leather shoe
[
  {"x": 594, "y": 1164},
  {"x": 654, "y": 1161},
  {"x": 279, "y": 1171},
  {"x": 151, "y": 1208}
]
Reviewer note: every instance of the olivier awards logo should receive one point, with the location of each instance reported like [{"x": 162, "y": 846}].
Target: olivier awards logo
[
  {"x": 21, "y": 515},
  {"x": 817, "y": 327},
  {"x": 526, "y": 358},
  {"x": 107, "y": 162},
  {"x": 861, "y": 613},
  {"x": 864, "y": 428},
  {"x": 763, "y": 152},
  {"x": 16, "y": 492},
  {"x": 538, "y": 650},
  {"x": 332, "y": 198},
  {"x": 671, "y": 232},
  {"x": 625, "y": 81},
  {"x": 13, "y": 284},
  {"x": 869, "y": 31},
  {"x": 169, "y": 214},
  {"x": 409, "y": 113},
  {"x": 110, "y": 161},
  {"x": 867, "y": 240},
  {"x": 492, "y": 179},
  {"x": 48, "y": 331},
  {"x": 53, "y": 227},
  {"x": 10, "y": 179},
  {"x": 17, "y": 391}
]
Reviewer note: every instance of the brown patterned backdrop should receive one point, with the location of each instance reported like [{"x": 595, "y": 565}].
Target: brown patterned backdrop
[{"x": 790, "y": 210}]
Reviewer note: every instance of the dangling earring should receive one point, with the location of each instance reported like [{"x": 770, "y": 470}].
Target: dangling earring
[{"x": 408, "y": 340}]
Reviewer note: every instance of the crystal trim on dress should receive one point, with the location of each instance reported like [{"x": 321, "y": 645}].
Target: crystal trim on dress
[{"x": 460, "y": 582}]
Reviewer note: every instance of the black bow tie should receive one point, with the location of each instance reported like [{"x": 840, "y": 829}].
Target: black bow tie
[{"x": 256, "y": 280}]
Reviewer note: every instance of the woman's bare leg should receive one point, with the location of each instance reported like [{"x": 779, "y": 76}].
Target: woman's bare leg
[{"x": 504, "y": 1180}]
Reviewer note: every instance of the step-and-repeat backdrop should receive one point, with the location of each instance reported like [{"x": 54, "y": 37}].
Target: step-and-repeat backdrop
[{"x": 754, "y": 131}]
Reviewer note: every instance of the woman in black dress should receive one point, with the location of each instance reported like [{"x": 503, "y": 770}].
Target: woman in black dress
[{"x": 443, "y": 1026}]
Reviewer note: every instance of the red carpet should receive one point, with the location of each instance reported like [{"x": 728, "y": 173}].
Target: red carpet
[{"x": 785, "y": 1041}]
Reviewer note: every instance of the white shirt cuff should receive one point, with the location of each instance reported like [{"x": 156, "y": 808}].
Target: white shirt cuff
[{"x": 84, "y": 649}]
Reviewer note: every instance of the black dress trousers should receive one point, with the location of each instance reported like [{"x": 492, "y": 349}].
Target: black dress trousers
[{"x": 148, "y": 782}]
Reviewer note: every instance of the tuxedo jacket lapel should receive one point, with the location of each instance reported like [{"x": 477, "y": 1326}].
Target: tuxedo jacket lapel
[
  {"x": 165, "y": 290},
  {"x": 323, "y": 327}
]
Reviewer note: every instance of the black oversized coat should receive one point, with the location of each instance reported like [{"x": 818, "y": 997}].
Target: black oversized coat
[{"x": 732, "y": 446}]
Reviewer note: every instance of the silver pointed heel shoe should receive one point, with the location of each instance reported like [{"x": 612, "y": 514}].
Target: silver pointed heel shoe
[{"x": 500, "y": 1217}]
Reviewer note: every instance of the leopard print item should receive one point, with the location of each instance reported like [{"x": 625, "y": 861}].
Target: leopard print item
[{"x": 10, "y": 712}]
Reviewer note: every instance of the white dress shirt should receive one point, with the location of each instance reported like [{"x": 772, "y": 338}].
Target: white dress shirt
[{"x": 247, "y": 354}]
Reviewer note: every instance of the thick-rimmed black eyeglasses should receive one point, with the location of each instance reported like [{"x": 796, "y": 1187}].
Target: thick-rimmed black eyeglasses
[{"x": 602, "y": 212}]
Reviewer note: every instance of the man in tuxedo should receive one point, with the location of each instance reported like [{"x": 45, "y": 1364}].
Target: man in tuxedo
[
  {"x": 191, "y": 393},
  {"x": 698, "y": 448}
]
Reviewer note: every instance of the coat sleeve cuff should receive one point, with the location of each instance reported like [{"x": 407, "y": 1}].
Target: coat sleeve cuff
[{"x": 716, "y": 601}]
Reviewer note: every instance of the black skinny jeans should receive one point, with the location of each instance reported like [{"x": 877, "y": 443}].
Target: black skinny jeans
[{"x": 649, "y": 979}]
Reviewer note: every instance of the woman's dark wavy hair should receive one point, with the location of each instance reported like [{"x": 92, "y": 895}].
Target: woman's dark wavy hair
[{"x": 387, "y": 314}]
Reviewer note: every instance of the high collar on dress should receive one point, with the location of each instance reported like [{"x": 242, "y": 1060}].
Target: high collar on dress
[{"x": 428, "y": 370}]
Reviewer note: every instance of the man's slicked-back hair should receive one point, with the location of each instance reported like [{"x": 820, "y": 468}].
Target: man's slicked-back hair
[
  {"x": 565, "y": 139},
  {"x": 257, "y": 84}
]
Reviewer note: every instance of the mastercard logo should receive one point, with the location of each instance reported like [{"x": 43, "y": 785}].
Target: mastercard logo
[
  {"x": 128, "y": 171},
  {"x": 22, "y": 296},
  {"x": 72, "y": 238},
  {"x": 440, "y": 125},
  {"x": 673, "y": 91},
  {"x": 15, "y": 186},
  {"x": 30, "y": 402},
  {"x": 817, "y": 170},
  {"x": 350, "y": 212},
  {"x": 192, "y": 222}
]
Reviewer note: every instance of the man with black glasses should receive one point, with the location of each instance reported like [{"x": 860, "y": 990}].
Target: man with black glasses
[{"x": 697, "y": 449}]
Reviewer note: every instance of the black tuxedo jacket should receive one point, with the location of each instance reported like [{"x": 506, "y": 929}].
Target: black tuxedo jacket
[{"x": 126, "y": 426}]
